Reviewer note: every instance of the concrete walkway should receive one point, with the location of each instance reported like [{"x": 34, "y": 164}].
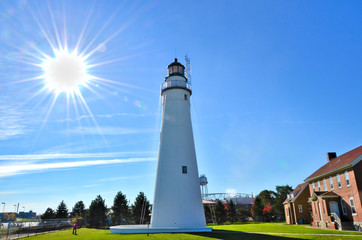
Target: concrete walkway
[{"x": 312, "y": 234}]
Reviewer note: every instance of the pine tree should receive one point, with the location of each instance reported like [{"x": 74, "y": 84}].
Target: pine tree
[
  {"x": 257, "y": 209},
  {"x": 220, "y": 212},
  {"x": 231, "y": 211},
  {"x": 78, "y": 209},
  {"x": 62, "y": 210},
  {"x": 141, "y": 209},
  {"x": 243, "y": 214},
  {"x": 120, "y": 208},
  {"x": 49, "y": 214},
  {"x": 97, "y": 213}
]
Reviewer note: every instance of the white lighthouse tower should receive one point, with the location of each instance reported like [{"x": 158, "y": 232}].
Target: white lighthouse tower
[
  {"x": 177, "y": 205},
  {"x": 177, "y": 200}
]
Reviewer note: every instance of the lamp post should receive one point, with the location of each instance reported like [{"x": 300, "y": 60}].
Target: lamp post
[
  {"x": 15, "y": 208},
  {"x": 24, "y": 208},
  {"x": 4, "y": 206}
]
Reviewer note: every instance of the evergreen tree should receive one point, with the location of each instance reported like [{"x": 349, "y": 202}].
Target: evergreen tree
[
  {"x": 243, "y": 214},
  {"x": 78, "y": 209},
  {"x": 257, "y": 209},
  {"x": 281, "y": 195},
  {"x": 220, "y": 212},
  {"x": 141, "y": 209},
  {"x": 62, "y": 210},
  {"x": 231, "y": 211},
  {"x": 120, "y": 208},
  {"x": 207, "y": 212},
  {"x": 97, "y": 213},
  {"x": 49, "y": 214}
]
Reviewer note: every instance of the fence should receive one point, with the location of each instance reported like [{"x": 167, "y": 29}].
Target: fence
[{"x": 15, "y": 230}]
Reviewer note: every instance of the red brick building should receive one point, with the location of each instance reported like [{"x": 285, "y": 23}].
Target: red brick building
[
  {"x": 296, "y": 207},
  {"x": 336, "y": 192}
]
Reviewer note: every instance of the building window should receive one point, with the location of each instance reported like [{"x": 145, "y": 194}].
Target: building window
[
  {"x": 353, "y": 207},
  {"x": 339, "y": 181},
  {"x": 300, "y": 208},
  {"x": 184, "y": 169},
  {"x": 343, "y": 204},
  {"x": 325, "y": 184},
  {"x": 319, "y": 186},
  {"x": 185, "y": 96},
  {"x": 315, "y": 209},
  {"x": 331, "y": 183},
  {"x": 347, "y": 179},
  {"x": 324, "y": 209},
  {"x": 313, "y": 187}
]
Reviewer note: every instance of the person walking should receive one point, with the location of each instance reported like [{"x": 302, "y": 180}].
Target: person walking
[{"x": 75, "y": 227}]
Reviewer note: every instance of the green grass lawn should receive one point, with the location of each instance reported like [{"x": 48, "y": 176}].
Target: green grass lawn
[{"x": 227, "y": 232}]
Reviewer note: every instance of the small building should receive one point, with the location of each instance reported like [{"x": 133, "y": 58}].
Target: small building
[
  {"x": 296, "y": 207},
  {"x": 336, "y": 190},
  {"x": 29, "y": 215}
]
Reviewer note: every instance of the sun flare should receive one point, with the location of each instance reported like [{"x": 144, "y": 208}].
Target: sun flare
[{"x": 65, "y": 72}]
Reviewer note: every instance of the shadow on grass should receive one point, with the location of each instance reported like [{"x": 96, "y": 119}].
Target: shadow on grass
[{"x": 231, "y": 235}]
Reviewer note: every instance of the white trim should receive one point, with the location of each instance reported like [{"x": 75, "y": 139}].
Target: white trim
[
  {"x": 354, "y": 206},
  {"x": 339, "y": 183},
  {"x": 346, "y": 177},
  {"x": 357, "y": 160},
  {"x": 331, "y": 183}
]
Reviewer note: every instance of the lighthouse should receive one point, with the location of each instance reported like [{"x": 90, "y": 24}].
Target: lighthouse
[
  {"x": 177, "y": 198},
  {"x": 177, "y": 204}
]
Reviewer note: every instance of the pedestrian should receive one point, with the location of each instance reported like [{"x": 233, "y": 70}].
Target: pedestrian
[{"x": 75, "y": 227}]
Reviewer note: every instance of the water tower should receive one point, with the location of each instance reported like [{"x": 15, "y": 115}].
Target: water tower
[{"x": 203, "y": 184}]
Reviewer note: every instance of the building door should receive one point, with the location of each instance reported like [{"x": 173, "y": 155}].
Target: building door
[{"x": 333, "y": 205}]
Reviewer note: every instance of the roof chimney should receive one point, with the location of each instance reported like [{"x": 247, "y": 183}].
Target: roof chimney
[{"x": 331, "y": 156}]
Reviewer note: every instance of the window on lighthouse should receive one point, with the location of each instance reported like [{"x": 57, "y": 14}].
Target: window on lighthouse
[{"x": 184, "y": 169}]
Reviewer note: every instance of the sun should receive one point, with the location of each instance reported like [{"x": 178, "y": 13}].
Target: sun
[{"x": 66, "y": 72}]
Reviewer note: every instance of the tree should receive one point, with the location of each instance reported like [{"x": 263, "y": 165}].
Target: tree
[
  {"x": 49, "y": 214},
  {"x": 231, "y": 211},
  {"x": 243, "y": 214},
  {"x": 207, "y": 211},
  {"x": 257, "y": 209},
  {"x": 62, "y": 210},
  {"x": 120, "y": 208},
  {"x": 141, "y": 209},
  {"x": 281, "y": 195},
  {"x": 78, "y": 209},
  {"x": 97, "y": 213},
  {"x": 220, "y": 212}
]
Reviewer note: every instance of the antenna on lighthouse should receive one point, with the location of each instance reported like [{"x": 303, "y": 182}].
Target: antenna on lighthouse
[{"x": 188, "y": 68}]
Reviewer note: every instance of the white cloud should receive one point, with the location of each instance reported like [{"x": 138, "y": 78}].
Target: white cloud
[
  {"x": 108, "y": 130},
  {"x": 12, "y": 120},
  {"x": 231, "y": 192},
  {"x": 124, "y": 178},
  {"x": 68, "y": 155},
  {"x": 14, "y": 169}
]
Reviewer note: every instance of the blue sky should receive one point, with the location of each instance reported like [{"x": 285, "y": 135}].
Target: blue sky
[{"x": 276, "y": 85}]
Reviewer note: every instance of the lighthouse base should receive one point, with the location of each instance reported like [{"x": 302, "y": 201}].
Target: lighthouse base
[{"x": 134, "y": 229}]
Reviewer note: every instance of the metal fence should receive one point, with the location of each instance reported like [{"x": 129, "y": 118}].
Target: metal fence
[{"x": 15, "y": 230}]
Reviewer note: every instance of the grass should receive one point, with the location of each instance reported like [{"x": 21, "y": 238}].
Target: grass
[{"x": 226, "y": 232}]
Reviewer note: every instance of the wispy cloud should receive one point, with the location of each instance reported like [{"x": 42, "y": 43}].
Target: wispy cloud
[
  {"x": 49, "y": 156},
  {"x": 125, "y": 178},
  {"x": 15, "y": 169},
  {"x": 108, "y": 130},
  {"x": 110, "y": 115},
  {"x": 12, "y": 120}
]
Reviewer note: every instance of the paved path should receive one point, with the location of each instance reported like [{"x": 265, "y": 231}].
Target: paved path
[{"x": 313, "y": 234}]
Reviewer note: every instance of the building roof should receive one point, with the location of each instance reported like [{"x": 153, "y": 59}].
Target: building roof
[
  {"x": 344, "y": 160},
  {"x": 296, "y": 192}
]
